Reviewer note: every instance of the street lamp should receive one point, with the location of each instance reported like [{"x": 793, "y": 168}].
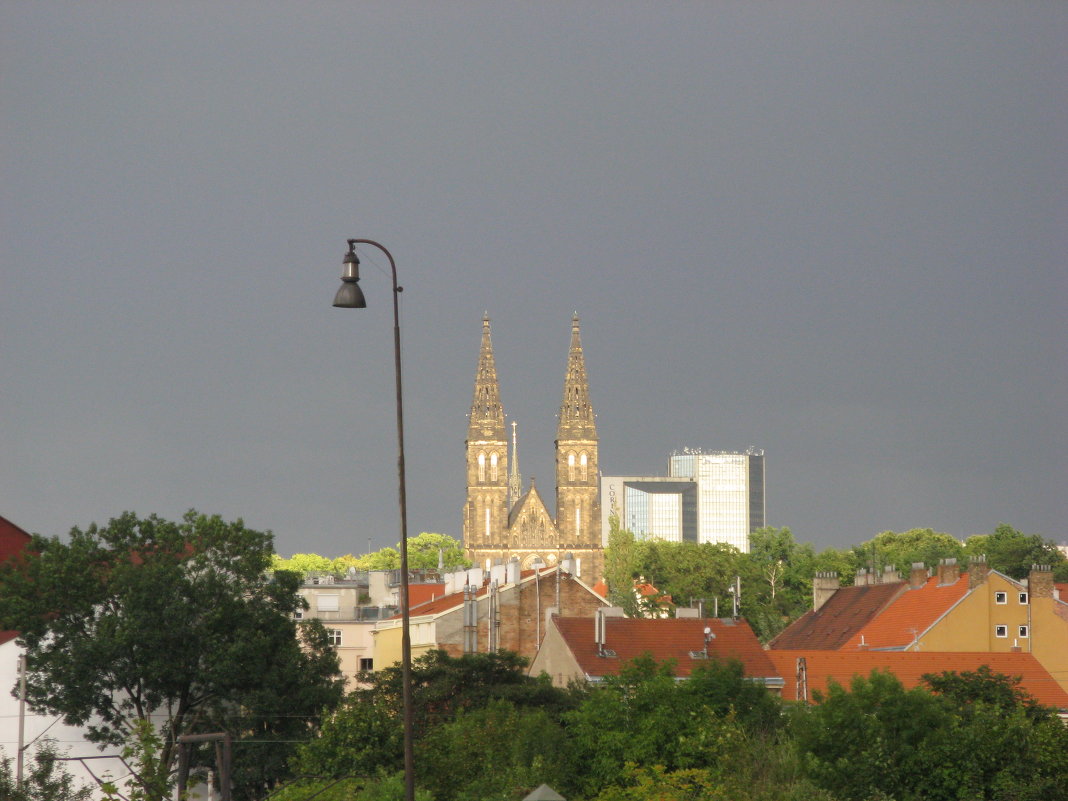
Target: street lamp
[{"x": 350, "y": 296}]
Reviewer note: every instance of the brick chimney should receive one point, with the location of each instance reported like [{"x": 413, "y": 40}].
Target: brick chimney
[
  {"x": 824, "y": 585},
  {"x": 978, "y": 570},
  {"x": 948, "y": 571},
  {"x": 918, "y": 575},
  {"x": 1040, "y": 581}
]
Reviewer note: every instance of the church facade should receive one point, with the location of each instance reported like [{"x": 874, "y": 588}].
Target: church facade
[{"x": 500, "y": 521}]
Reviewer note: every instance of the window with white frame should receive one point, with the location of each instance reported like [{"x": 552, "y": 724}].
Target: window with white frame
[
  {"x": 1001, "y": 597},
  {"x": 1023, "y": 631},
  {"x": 334, "y": 636},
  {"x": 1023, "y": 597},
  {"x": 1001, "y": 631}
]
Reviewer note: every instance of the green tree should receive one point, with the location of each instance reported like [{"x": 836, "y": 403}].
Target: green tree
[
  {"x": 497, "y": 752},
  {"x": 644, "y": 716},
  {"x": 362, "y": 738},
  {"x": 1013, "y": 553},
  {"x": 901, "y": 549},
  {"x": 424, "y": 552},
  {"x": 177, "y": 624},
  {"x": 44, "y": 779}
]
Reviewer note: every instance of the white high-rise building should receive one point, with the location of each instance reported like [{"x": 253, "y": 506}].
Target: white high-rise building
[{"x": 708, "y": 496}]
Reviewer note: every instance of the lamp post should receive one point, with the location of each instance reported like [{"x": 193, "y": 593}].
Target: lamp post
[{"x": 350, "y": 296}]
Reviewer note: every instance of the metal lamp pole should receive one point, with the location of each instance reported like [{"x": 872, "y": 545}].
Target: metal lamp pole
[{"x": 350, "y": 296}]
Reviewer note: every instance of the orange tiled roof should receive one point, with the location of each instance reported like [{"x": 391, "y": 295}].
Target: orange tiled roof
[
  {"x": 840, "y": 618},
  {"x": 909, "y": 615},
  {"x": 910, "y": 666},
  {"x": 668, "y": 638}
]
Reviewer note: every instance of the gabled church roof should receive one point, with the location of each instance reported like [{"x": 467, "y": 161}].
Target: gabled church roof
[{"x": 532, "y": 500}]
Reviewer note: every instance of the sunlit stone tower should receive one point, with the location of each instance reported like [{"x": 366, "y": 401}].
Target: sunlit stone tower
[{"x": 499, "y": 521}]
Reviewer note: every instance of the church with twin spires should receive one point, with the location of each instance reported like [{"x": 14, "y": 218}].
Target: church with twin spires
[{"x": 500, "y": 521}]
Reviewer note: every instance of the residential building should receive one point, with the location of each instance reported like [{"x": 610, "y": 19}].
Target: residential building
[
  {"x": 588, "y": 649},
  {"x": 484, "y": 612},
  {"x": 349, "y": 606},
  {"x": 980, "y": 610},
  {"x": 501, "y": 522},
  {"x": 707, "y": 496}
]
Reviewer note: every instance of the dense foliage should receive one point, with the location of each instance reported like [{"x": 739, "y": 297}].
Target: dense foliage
[
  {"x": 144, "y": 629},
  {"x": 424, "y": 553},
  {"x": 490, "y": 733},
  {"x": 45, "y": 778}
]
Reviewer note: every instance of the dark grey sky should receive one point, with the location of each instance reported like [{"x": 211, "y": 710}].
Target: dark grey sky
[{"x": 836, "y": 231}]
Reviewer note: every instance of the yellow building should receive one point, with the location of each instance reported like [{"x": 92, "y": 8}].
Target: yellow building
[{"x": 978, "y": 610}]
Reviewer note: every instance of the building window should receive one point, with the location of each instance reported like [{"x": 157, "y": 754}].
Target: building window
[
  {"x": 481, "y": 468},
  {"x": 1023, "y": 631},
  {"x": 1023, "y": 597},
  {"x": 1001, "y": 631},
  {"x": 583, "y": 466},
  {"x": 571, "y": 467},
  {"x": 298, "y": 615},
  {"x": 493, "y": 466},
  {"x": 327, "y": 603},
  {"x": 367, "y": 664},
  {"x": 334, "y": 636},
  {"x": 1001, "y": 597}
]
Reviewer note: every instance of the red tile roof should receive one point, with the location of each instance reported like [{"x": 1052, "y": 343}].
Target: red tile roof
[
  {"x": 12, "y": 539},
  {"x": 666, "y": 638},
  {"x": 843, "y": 615},
  {"x": 909, "y": 615},
  {"x": 910, "y": 666}
]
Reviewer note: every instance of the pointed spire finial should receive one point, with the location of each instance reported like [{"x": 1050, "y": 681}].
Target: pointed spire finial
[{"x": 487, "y": 414}]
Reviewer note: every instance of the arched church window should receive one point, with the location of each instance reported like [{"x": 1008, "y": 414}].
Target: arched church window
[
  {"x": 583, "y": 461},
  {"x": 571, "y": 467},
  {"x": 481, "y": 467},
  {"x": 493, "y": 466}
]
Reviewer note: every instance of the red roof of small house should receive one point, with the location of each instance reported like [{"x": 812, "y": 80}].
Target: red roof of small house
[
  {"x": 1062, "y": 590},
  {"x": 909, "y": 667},
  {"x": 12, "y": 539},
  {"x": 663, "y": 638},
  {"x": 909, "y": 615},
  {"x": 843, "y": 615},
  {"x": 421, "y": 593}
]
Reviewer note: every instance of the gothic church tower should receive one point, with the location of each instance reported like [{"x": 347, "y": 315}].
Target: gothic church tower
[
  {"x": 499, "y": 523},
  {"x": 486, "y": 510},
  {"x": 578, "y": 512}
]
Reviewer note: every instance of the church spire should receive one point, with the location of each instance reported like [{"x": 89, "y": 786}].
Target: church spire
[
  {"x": 487, "y": 415},
  {"x": 515, "y": 483},
  {"x": 576, "y": 413}
]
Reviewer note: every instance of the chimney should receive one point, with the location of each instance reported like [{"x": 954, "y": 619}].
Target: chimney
[
  {"x": 948, "y": 571},
  {"x": 978, "y": 570},
  {"x": 824, "y": 585},
  {"x": 862, "y": 579},
  {"x": 918, "y": 575},
  {"x": 1040, "y": 581},
  {"x": 567, "y": 564},
  {"x": 890, "y": 575},
  {"x": 512, "y": 570}
]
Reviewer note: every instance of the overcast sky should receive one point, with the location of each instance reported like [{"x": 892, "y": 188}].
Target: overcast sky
[{"x": 835, "y": 231}]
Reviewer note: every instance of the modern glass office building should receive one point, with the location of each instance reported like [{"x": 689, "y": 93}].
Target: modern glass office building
[{"x": 708, "y": 496}]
